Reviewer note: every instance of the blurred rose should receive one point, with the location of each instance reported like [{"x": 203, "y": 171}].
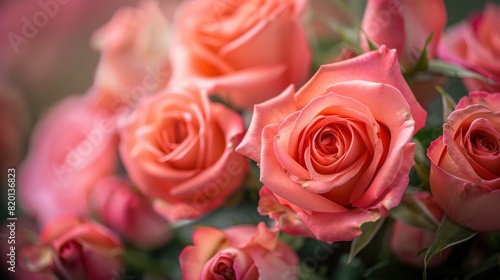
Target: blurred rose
[
  {"x": 245, "y": 51},
  {"x": 338, "y": 151},
  {"x": 404, "y": 25},
  {"x": 408, "y": 241},
  {"x": 71, "y": 149},
  {"x": 25, "y": 235},
  {"x": 134, "y": 56},
  {"x": 239, "y": 252},
  {"x": 475, "y": 44},
  {"x": 74, "y": 249},
  {"x": 14, "y": 121},
  {"x": 125, "y": 211},
  {"x": 465, "y": 173},
  {"x": 178, "y": 148}
]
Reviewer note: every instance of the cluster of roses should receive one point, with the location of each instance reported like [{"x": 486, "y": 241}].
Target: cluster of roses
[{"x": 334, "y": 150}]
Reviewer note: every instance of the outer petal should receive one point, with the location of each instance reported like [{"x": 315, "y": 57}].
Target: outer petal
[
  {"x": 473, "y": 206},
  {"x": 334, "y": 227},
  {"x": 490, "y": 100},
  {"x": 377, "y": 66},
  {"x": 272, "y": 111},
  {"x": 286, "y": 219}
]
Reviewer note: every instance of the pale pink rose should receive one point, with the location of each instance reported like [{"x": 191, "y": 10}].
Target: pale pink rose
[
  {"x": 338, "y": 152},
  {"x": 239, "y": 252},
  {"x": 404, "y": 25},
  {"x": 408, "y": 241},
  {"x": 244, "y": 51},
  {"x": 74, "y": 249},
  {"x": 178, "y": 148},
  {"x": 124, "y": 210},
  {"x": 14, "y": 120},
  {"x": 475, "y": 44},
  {"x": 465, "y": 161},
  {"x": 134, "y": 56},
  {"x": 72, "y": 147}
]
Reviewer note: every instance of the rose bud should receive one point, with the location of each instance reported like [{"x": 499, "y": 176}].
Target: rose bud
[{"x": 125, "y": 211}]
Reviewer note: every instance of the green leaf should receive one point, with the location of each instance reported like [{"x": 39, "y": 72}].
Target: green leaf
[
  {"x": 368, "y": 231},
  {"x": 421, "y": 164},
  {"x": 413, "y": 212},
  {"x": 448, "y": 234},
  {"x": 423, "y": 60},
  {"x": 448, "y": 103},
  {"x": 347, "y": 34},
  {"x": 371, "y": 44},
  {"x": 455, "y": 71}
]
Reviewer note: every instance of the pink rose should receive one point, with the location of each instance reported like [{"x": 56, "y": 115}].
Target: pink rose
[
  {"x": 178, "y": 148},
  {"x": 239, "y": 252},
  {"x": 475, "y": 44},
  {"x": 338, "y": 152},
  {"x": 408, "y": 241},
  {"x": 134, "y": 56},
  {"x": 465, "y": 161},
  {"x": 125, "y": 211},
  {"x": 24, "y": 233},
  {"x": 72, "y": 147},
  {"x": 14, "y": 122},
  {"x": 244, "y": 51},
  {"x": 75, "y": 249},
  {"x": 404, "y": 25}
]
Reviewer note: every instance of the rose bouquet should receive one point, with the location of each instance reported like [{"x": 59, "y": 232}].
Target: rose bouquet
[{"x": 264, "y": 139}]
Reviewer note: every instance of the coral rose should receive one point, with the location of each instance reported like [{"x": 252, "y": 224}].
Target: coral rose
[
  {"x": 178, "y": 148},
  {"x": 465, "y": 163},
  {"x": 338, "y": 152},
  {"x": 475, "y": 44},
  {"x": 239, "y": 252},
  {"x": 245, "y": 51}
]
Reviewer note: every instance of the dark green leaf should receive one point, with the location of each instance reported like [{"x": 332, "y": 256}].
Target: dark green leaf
[
  {"x": 371, "y": 44},
  {"x": 368, "y": 231},
  {"x": 421, "y": 164},
  {"x": 448, "y": 234},
  {"x": 455, "y": 71},
  {"x": 448, "y": 103},
  {"x": 423, "y": 60}
]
